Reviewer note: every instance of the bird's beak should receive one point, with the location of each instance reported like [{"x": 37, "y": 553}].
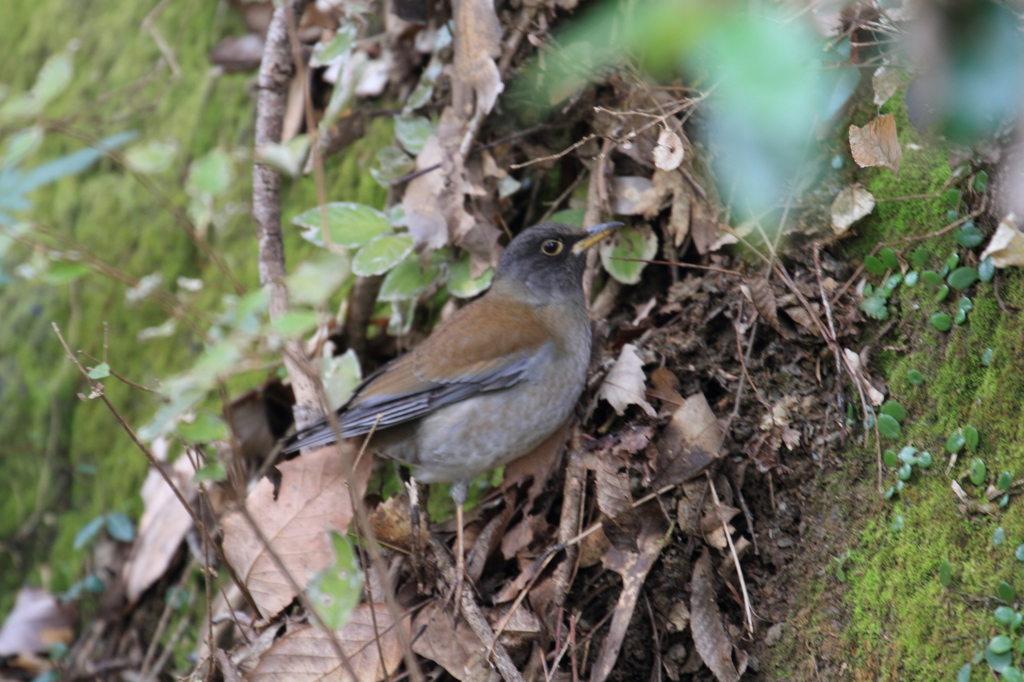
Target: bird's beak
[{"x": 594, "y": 235}]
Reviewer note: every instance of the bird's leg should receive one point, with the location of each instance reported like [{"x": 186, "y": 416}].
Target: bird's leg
[
  {"x": 460, "y": 490},
  {"x": 416, "y": 521}
]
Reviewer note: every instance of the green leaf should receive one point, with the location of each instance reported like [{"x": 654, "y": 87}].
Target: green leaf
[
  {"x": 90, "y": 530},
  {"x": 945, "y": 573},
  {"x": 289, "y": 158},
  {"x": 911, "y": 278},
  {"x": 339, "y": 46},
  {"x": 21, "y": 145},
  {"x": 999, "y": 536},
  {"x": 905, "y": 472},
  {"x": 1005, "y": 591},
  {"x": 214, "y": 471},
  {"x": 980, "y": 181},
  {"x": 965, "y": 673},
  {"x": 874, "y": 307},
  {"x": 961, "y": 278},
  {"x": 915, "y": 377},
  {"x": 1005, "y": 481},
  {"x": 100, "y": 371},
  {"x": 955, "y": 442},
  {"x": 888, "y": 426},
  {"x": 205, "y": 428},
  {"x": 908, "y": 455},
  {"x": 952, "y": 197},
  {"x": 350, "y": 224},
  {"x": 210, "y": 174},
  {"x": 62, "y": 272},
  {"x": 315, "y": 280},
  {"x": 296, "y": 323},
  {"x": 53, "y": 78},
  {"x": 924, "y": 460},
  {"x": 965, "y": 304},
  {"x": 987, "y": 270},
  {"x": 336, "y": 590},
  {"x": 1012, "y": 674},
  {"x": 340, "y": 375},
  {"x": 986, "y": 357},
  {"x": 394, "y": 164},
  {"x": 943, "y": 293},
  {"x": 413, "y": 132},
  {"x": 960, "y": 317},
  {"x": 952, "y": 261},
  {"x": 920, "y": 257},
  {"x": 931, "y": 277},
  {"x": 890, "y": 284},
  {"x": 977, "y": 471},
  {"x": 407, "y": 280},
  {"x": 382, "y": 254},
  {"x": 1004, "y": 614},
  {"x": 151, "y": 157},
  {"x": 1019, "y": 553},
  {"x": 890, "y": 459},
  {"x": 1000, "y": 644},
  {"x": 894, "y": 410},
  {"x": 941, "y": 321},
  {"x": 461, "y": 284},
  {"x": 570, "y": 216},
  {"x": 120, "y": 527},
  {"x": 889, "y": 259},
  {"x": 628, "y": 242},
  {"x": 998, "y": 662},
  {"x": 874, "y": 265},
  {"x": 969, "y": 235},
  {"x": 897, "y": 524},
  {"x": 971, "y": 437}
]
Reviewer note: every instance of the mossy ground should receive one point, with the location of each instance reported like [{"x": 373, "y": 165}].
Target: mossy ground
[
  {"x": 892, "y": 619},
  {"x": 63, "y": 461}
]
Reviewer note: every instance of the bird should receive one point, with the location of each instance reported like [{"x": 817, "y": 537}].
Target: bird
[{"x": 491, "y": 382}]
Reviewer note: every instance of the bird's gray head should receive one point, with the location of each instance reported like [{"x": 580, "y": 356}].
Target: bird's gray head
[{"x": 549, "y": 259}]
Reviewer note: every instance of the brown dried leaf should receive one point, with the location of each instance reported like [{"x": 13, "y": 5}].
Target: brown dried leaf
[
  {"x": 517, "y": 538},
  {"x": 709, "y": 636},
  {"x": 665, "y": 385},
  {"x": 885, "y": 81},
  {"x": 313, "y": 498},
  {"x": 763, "y": 298},
  {"x": 36, "y": 622},
  {"x": 537, "y": 465},
  {"x": 612, "y": 482},
  {"x": 672, "y": 183},
  {"x": 689, "y": 443},
  {"x": 634, "y": 195},
  {"x": 455, "y": 648},
  {"x": 850, "y": 205},
  {"x": 593, "y": 547},
  {"x": 477, "y": 44},
  {"x": 427, "y": 223},
  {"x": 626, "y": 384},
  {"x": 876, "y": 144},
  {"x": 307, "y": 654},
  {"x": 633, "y": 567},
  {"x": 1007, "y": 245},
  {"x": 162, "y": 528},
  {"x": 391, "y": 522},
  {"x": 669, "y": 152}
]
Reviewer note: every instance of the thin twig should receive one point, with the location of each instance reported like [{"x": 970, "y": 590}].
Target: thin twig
[
  {"x": 815, "y": 249},
  {"x": 732, "y": 550}
]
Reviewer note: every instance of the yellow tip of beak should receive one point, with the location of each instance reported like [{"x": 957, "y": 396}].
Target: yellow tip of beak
[{"x": 595, "y": 234}]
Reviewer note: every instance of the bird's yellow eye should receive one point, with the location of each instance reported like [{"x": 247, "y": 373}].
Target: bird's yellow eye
[{"x": 551, "y": 247}]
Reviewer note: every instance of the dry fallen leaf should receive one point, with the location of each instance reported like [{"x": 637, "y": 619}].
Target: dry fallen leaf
[
  {"x": 669, "y": 152},
  {"x": 876, "y": 144},
  {"x": 162, "y": 528},
  {"x": 453, "y": 647},
  {"x": 312, "y": 499},
  {"x": 885, "y": 81},
  {"x": 477, "y": 43},
  {"x": 672, "y": 183},
  {"x": 1007, "y": 245},
  {"x": 307, "y": 654},
  {"x": 626, "y": 384},
  {"x": 427, "y": 224},
  {"x": 709, "y": 636},
  {"x": 633, "y": 195},
  {"x": 689, "y": 443},
  {"x": 850, "y": 205},
  {"x": 37, "y": 622}
]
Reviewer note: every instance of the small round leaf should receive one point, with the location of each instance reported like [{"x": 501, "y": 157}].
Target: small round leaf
[
  {"x": 941, "y": 321},
  {"x": 976, "y": 471},
  {"x": 120, "y": 527},
  {"x": 955, "y": 442},
  {"x": 1005, "y": 481},
  {"x": 961, "y": 278},
  {"x": 1000, "y": 644},
  {"x": 920, "y": 257},
  {"x": 924, "y": 460},
  {"x": 905, "y": 472},
  {"x": 894, "y": 410},
  {"x": 381, "y": 254},
  {"x": 874, "y": 265},
  {"x": 931, "y": 277},
  {"x": 987, "y": 270},
  {"x": 986, "y": 357},
  {"x": 945, "y": 573},
  {"x": 999, "y": 537},
  {"x": 1005, "y": 590},
  {"x": 915, "y": 377},
  {"x": 889, "y": 259},
  {"x": 971, "y": 437},
  {"x": 1004, "y": 614},
  {"x": 969, "y": 235},
  {"x": 911, "y": 278},
  {"x": 888, "y": 426},
  {"x": 890, "y": 459}
]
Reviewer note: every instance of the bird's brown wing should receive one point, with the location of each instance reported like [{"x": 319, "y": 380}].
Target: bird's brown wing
[{"x": 478, "y": 349}]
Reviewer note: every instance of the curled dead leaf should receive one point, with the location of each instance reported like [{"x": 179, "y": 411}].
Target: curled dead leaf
[
  {"x": 885, "y": 81},
  {"x": 669, "y": 152},
  {"x": 709, "y": 635},
  {"x": 1007, "y": 245},
  {"x": 850, "y": 205},
  {"x": 35, "y": 624},
  {"x": 689, "y": 443},
  {"x": 873, "y": 395},
  {"x": 876, "y": 144},
  {"x": 477, "y": 44},
  {"x": 626, "y": 384}
]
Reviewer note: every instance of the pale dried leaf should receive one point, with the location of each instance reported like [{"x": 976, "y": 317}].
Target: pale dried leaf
[
  {"x": 709, "y": 636},
  {"x": 477, "y": 44},
  {"x": 876, "y": 144},
  {"x": 313, "y": 499},
  {"x": 672, "y": 183},
  {"x": 36, "y": 623},
  {"x": 427, "y": 223},
  {"x": 873, "y": 395},
  {"x": 850, "y": 205},
  {"x": 455, "y": 648},
  {"x": 162, "y": 528},
  {"x": 669, "y": 152},
  {"x": 633, "y": 195},
  {"x": 626, "y": 384},
  {"x": 1007, "y": 245},
  {"x": 517, "y": 538},
  {"x": 612, "y": 483},
  {"x": 689, "y": 443},
  {"x": 790, "y": 437},
  {"x": 307, "y": 654},
  {"x": 885, "y": 81}
]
